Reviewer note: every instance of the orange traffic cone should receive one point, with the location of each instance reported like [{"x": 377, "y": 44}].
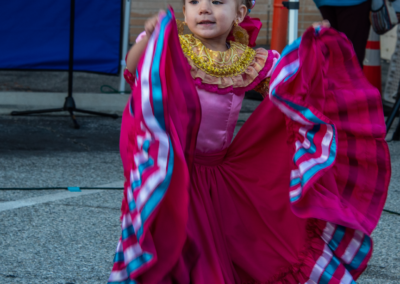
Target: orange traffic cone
[
  {"x": 372, "y": 61},
  {"x": 279, "y": 26}
]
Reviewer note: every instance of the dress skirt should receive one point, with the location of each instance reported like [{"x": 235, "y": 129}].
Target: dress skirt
[{"x": 293, "y": 199}]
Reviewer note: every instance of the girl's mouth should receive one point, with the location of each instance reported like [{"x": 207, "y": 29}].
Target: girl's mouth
[{"x": 206, "y": 23}]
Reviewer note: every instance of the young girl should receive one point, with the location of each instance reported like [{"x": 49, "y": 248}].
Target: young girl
[{"x": 292, "y": 199}]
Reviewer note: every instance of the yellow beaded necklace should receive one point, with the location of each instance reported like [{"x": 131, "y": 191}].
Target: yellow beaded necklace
[{"x": 230, "y": 63}]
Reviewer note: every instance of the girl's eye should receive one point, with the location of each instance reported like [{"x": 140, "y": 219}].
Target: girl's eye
[
  {"x": 194, "y": 2},
  {"x": 217, "y": 2}
]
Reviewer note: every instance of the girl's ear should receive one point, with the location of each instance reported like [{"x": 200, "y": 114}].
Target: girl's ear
[
  {"x": 184, "y": 12},
  {"x": 242, "y": 12}
]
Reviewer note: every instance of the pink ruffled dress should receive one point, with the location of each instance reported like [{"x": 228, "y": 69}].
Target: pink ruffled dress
[{"x": 292, "y": 199}]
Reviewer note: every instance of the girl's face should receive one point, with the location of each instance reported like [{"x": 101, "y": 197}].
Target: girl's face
[{"x": 210, "y": 19}]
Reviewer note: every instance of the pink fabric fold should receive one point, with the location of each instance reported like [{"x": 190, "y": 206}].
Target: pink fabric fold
[{"x": 252, "y": 26}]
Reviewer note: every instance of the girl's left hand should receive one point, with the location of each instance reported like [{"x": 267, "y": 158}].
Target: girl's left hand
[
  {"x": 324, "y": 24},
  {"x": 151, "y": 23}
]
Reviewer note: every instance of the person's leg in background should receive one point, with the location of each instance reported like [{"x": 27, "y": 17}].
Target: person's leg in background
[
  {"x": 329, "y": 13},
  {"x": 354, "y": 22}
]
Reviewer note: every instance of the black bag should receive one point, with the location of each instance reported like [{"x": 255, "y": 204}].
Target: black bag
[{"x": 384, "y": 18}]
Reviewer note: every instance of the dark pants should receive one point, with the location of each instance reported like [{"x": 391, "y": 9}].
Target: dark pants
[{"x": 353, "y": 21}]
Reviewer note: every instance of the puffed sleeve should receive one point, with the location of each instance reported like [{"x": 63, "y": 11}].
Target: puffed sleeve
[
  {"x": 263, "y": 86},
  {"x": 129, "y": 77}
]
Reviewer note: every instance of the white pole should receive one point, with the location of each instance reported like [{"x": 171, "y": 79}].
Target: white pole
[
  {"x": 293, "y": 23},
  {"x": 125, "y": 44}
]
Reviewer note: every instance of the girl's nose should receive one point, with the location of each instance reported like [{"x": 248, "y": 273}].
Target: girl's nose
[{"x": 205, "y": 7}]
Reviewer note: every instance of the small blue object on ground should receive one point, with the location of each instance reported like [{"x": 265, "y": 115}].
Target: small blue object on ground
[{"x": 74, "y": 189}]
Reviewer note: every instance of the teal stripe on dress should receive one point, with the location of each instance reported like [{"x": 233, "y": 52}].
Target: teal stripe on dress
[
  {"x": 310, "y": 136},
  {"x": 337, "y": 237},
  {"x": 141, "y": 169},
  {"x": 307, "y": 113},
  {"x": 127, "y": 281},
  {"x": 128, "y": 231},
  {"x": 146, "y": 145},
  {"x": 131, "y": 108},
  {"x": 294, "y": 182},
  {"x": 119, "y": 256},
  {"x": 145, "y": 165},
  {"x": 157, "y": 95},
  {"x": 329, "y": 270},
  {"x": 361, "y": 254},
  {"x": 132, "y": 205},
  {"x": 291, "y": 47},
  {"x": 291, "y": 75},
  {"x": 138, "y": 262},
  {"x": 293, "y": 199},
  {"x": 315, "y": 169},
  {"x": 288, "y": 49}
]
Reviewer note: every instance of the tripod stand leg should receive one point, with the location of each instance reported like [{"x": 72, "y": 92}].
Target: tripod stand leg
[
  {"x": 36, "y": 111},
  {"x": 96, "y": 113},
  {"x": 394, "y": 111},
  {"x": 71, "y": 113},
  {"x": 396, "y": 134},
  {"x": 393, "y": 114}
]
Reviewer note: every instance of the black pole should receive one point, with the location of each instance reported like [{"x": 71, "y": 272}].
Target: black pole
[
  {"x": 71, "y": 47},
  {"x": 394, "y": 111},
  {"x": 393, "y": 114},
  {"x": 69, "y": 104}
]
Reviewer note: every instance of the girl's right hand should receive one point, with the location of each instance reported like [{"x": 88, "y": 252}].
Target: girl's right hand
[
  {"x": 151, "y": 23},
  {"x": 137, "y": 50},
  {"x": 324, "y": 24}
]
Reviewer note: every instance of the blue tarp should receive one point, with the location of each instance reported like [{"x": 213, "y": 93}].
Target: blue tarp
[{"x": 35, "y": 35}]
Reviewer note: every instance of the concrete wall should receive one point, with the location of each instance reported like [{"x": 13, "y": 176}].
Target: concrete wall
[{"x": 143, "y": 9}]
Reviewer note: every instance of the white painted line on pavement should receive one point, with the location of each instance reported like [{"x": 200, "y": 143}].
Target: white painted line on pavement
[
  {"x": 119, "y": 183},
  {"x": 4, "y": 206}
]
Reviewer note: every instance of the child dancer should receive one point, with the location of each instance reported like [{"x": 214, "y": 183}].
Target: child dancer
[{"x": 292, "y": 199}]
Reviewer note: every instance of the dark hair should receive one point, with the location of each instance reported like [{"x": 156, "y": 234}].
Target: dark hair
[{"x": 247, "y": 3}]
